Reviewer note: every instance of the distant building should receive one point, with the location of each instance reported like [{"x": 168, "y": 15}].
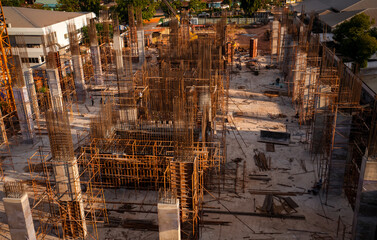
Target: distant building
[
  {"x": 34, "y": 24},
  {"x": 213, "y": 3},
  {"x": 53, "y": 4}
]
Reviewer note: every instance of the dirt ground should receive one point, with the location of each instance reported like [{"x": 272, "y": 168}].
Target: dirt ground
[{"x": 242, "y": 37}]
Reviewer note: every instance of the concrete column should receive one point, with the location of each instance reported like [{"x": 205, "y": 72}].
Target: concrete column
[
  {"x": 281, "y": 43},
  {"x": 3, "y": 134},
  {"x": 66, "y": 174},
  {"x": 338, "y": 160},
  {"x": 169, "y": 224},
  {"x": 365, "y": 213},
  {"x": 205, "y": 101},
  {"x": 118, "y": 54},
  {"x": 55, "y": 89},
  {"x": 253, "y": 47},
  {"x": 274, "y": 37},
  {"x": 19, "y": 216},
  {"x": 29, "y": 82},
  {"x": 299, "y": 72},
  {"x": 24, "y": 113},
  {"x": 141, "y": 45},
  {"x": 97, "y": 67},
  {"x": 78, "y": 77},
  {"x": 69, "y": 191}
]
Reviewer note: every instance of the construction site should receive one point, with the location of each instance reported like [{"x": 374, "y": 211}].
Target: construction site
[{"x": 206, "y": 134}]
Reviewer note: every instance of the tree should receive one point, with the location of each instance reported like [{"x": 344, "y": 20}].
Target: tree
[
  {"x": 251, "y": 6},
  {"x": 79, "y": 6},
  {"x": 90, "y": 6},
  {"x": 196, "y": 5},
  {"x": 148, "y": 8},
  {"x": 229, "y": 2},
  {"x": 69, "y": 5},
  {"x": 13, "y": 3},
  {"x": 356, "y": 39},
  {"x": 177, "y": 5}
]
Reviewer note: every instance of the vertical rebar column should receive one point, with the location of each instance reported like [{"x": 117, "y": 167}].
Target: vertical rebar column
[
  {"x": 95, "y": 53},
  {"x": 68, "y": 189},
  {"x": 52, "y": 71},
  {"x": 17, "y": 209},
  {"x": 133, "y": 32},
  {"x": 54, "y": 82},
  {"x": 78, "y": 70}
]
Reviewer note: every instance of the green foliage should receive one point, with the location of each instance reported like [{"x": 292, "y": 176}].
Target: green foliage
[
  {"x": 356, "y": 39},
  {"x": 177, "y": 5},
  {"x": 39, "y": 6},
  {"x": 14, "y": 3},
  {"x": 196, "y": 5},
  {"x": 43, "y": 89},
  {"x": 90, "y": 6},
  {"x": 229, "y": 2},
  {"x": 79, "y": 6},
  {"x": 251, "y": 6},
  {"x": 373, "y": 32},
  {"x": 68, "y": 5},
  {"x": 148, "y": 8}
]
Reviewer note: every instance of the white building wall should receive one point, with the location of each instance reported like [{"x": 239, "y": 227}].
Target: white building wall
[{"x": 60, "y": 28}]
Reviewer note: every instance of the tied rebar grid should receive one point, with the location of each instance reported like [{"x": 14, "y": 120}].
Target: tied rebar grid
[{"x": 14, "y": 189}]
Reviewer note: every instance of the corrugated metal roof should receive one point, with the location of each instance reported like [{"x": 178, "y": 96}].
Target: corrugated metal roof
[
  {"x": 335, "y": 5},
  {"x": 311, "y": 6},
  {"x": 364, "y": 4},
  {"x": 47, "y": 2},
  {"x": 341, "y": 5},
  {"x": 333, "y": 19},
  {"x": 35, "y": 18}
]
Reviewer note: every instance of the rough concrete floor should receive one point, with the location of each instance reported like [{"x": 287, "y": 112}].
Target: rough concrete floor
[
  {"x": 288, "y": 173},
  {"x": 292, "y": 169}
]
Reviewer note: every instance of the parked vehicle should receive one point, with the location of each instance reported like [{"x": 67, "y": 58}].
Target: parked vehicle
[
  {"x": 203, "y": 15},
  {"x": 194, "y": 21}
]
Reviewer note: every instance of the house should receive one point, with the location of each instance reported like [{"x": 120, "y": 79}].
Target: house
[
  {"x": 34, "y": 24},
  {"x": 333, "y": 12},
  {"x": 213, "y": 3},
  {"x": 53, "y": 4}
]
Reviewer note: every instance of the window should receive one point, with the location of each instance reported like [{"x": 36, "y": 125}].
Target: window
[
  {"x": 30, "y": 60},
  {"x": 42, "y": 59},
  {"x": 33, "y": 45},
  {"x": 66, "y": 35},
  {"x": 34, "y": 60}
]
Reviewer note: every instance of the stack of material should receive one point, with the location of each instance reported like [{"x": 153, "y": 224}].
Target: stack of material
[
  {"x": 283, "y": 204},
  {"x": 261, "y": 161}
]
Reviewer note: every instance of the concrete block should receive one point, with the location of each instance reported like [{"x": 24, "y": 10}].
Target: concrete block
[
  {"x": 19, "y": 216},
  {"x": 169, "y": 221}
]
